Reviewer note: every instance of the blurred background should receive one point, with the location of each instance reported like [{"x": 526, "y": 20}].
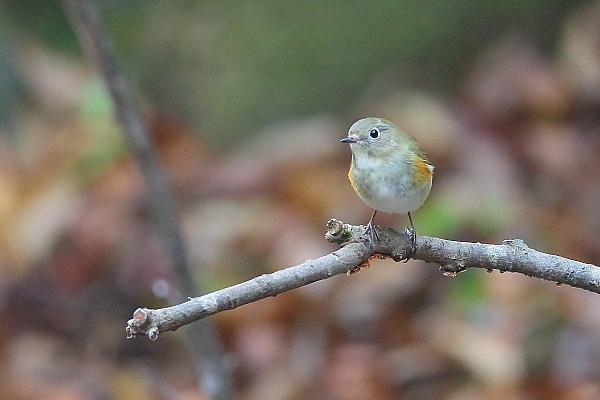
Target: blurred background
[{"x": 247, "y": 102}]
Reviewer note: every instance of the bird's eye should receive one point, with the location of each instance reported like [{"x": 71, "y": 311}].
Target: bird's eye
[{"x": 374, "y": 133}]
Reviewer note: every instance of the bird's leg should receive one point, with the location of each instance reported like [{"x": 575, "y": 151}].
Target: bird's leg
[
  {"x": 412, "y": 236},
  {"x": 371, "y": 228}
]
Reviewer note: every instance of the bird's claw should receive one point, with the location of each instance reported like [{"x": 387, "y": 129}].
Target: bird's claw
[
  {"x": 412, "y": 237},
  {"x": 371, "y": 231}
]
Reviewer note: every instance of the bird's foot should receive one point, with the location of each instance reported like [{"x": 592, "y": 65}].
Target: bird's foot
[
  {"x": 412, "y": 237},
  {"x": 372, "y": 231}
]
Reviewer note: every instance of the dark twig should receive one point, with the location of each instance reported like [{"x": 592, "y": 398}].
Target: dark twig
[
  {"x": 87, "y": 24},
  {"x": 453, "y": 257}
]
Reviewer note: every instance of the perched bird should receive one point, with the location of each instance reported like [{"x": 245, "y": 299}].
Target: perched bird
[{"x": 389, "y": 170}]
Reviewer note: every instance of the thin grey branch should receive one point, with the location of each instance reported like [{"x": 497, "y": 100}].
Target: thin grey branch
[
  {"x": 85, "y": 18},
  {"x": 152, "y": 322},
  {"x": 453, "y": 257}
]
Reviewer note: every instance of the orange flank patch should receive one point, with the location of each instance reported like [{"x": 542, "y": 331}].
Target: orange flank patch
[
  {"x": 423, "y": 170},
  {"x": 351, "y": 177}
]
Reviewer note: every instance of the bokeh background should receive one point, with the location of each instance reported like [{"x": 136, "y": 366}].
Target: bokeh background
[{"x": 247, "y": 102}]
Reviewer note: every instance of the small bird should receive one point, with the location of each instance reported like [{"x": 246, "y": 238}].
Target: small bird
[{"x": 389, "y": 170}]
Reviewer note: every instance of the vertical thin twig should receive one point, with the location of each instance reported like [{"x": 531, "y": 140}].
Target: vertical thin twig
[{"x": 86, "y": 21}]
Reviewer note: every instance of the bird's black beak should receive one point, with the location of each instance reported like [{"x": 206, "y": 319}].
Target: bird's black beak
[{"x": 348, "y": 140}]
